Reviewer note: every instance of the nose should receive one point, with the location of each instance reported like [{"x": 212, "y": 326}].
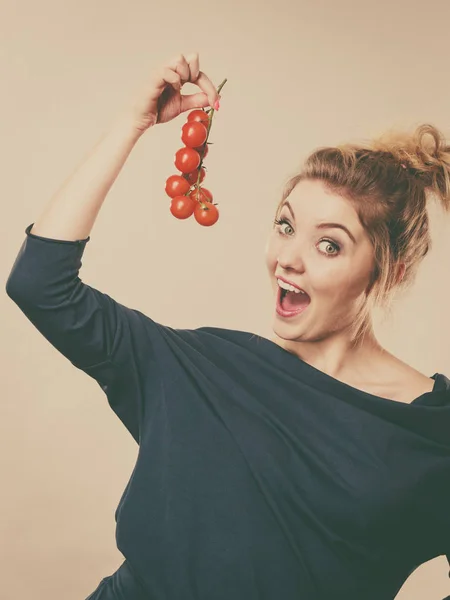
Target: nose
[{"x": 291, "y": 264}]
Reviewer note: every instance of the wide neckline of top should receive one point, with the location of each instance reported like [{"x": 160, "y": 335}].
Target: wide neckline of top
[{"x": 286, "y": 360}]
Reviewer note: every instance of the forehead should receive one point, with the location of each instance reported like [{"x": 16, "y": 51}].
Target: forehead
[{"x": 312, "y": 201}]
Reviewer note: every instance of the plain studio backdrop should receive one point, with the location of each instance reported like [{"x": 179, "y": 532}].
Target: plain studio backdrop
[{"x": 300, "y": 74}]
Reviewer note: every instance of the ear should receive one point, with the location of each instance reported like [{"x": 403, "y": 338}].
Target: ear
[{"x": 400, "y": 272}]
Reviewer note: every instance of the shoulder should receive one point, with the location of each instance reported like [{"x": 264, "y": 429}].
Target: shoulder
[
  {"x": 416, "y": 384},
  {"x": 411, "y": 383},
  {"x": 392, "y": 378}
]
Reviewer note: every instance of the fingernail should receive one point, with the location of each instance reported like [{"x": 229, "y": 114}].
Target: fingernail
[{"x": 216, "y": 105}]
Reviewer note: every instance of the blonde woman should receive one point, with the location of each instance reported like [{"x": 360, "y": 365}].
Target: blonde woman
[{"x": 313, "y": 465}]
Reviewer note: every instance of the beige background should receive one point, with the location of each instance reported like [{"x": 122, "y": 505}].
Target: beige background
[{"x": 300, "y": 74}]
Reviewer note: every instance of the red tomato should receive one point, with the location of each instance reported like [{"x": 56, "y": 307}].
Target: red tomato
[
  {"x": 200, "y": 116},
  {"x": 203, "y": 150},
  {"x": 176, "y": 185},
  {"x": 187, "y": 160},
  {"x": 182, "y": 207},
  {"x": 193, "y": 134},
  {"x": 201, "y": 194},
  {"x": 192, "y": 177},
  {"x": 206, "y": 216}
]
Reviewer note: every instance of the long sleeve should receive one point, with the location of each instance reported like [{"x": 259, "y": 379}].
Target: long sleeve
[
  {"x": 97, "y": 334},
  {"x": 84, "y": 324}
]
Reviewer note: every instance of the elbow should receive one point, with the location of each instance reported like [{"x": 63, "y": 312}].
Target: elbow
[
  {"x": 16, "y": 288},
  {"x": 13, "y": 290}
]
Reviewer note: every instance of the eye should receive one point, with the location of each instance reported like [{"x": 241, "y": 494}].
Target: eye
[
  {"x": 334, "y": 244},
  {"x": 282, "y": 222}
]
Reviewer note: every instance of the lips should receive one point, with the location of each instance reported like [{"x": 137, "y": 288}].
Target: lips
[{"x": 294, "y": 285}]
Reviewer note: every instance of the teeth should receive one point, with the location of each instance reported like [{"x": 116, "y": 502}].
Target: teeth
[{"x": 290, "y": 288}]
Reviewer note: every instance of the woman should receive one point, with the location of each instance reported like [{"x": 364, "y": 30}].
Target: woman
[{"x": 314, "y": 465}]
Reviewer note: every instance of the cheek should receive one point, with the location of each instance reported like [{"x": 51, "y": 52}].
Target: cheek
[
  {"x": 331, "y": 280},
  {"x": 356, "y": 277},
  {"x": 340, "y": 285}
]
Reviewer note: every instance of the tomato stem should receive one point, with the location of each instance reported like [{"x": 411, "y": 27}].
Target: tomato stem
[{"x": 211, "y": 115}]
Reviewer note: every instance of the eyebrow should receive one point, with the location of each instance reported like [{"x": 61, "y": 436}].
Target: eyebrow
[{"x": 325, "y": 225}]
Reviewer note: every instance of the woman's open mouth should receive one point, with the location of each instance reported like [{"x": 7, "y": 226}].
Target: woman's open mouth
[{"x": 290, "y": 304}]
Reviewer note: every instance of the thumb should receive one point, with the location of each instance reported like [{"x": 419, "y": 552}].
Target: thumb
[{"x": 199, "y": 100}]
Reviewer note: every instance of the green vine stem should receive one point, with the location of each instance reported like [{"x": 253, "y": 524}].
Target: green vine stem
[{"x": 211, "y": 115}]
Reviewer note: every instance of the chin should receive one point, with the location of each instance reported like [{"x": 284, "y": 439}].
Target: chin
[{"x": 286, "y": 331}]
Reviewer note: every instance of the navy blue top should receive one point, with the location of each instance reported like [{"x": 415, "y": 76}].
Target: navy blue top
[{"x": 258, "y": 476}]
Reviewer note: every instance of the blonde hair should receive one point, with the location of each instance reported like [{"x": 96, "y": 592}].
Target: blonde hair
[{"x": 386, "y": 180}]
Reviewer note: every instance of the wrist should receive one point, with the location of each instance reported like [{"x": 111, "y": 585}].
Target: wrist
[{"x": 127, "y": 126}]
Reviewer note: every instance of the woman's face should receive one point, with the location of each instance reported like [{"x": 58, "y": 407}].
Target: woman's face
[{"x": 324, "y": 261}]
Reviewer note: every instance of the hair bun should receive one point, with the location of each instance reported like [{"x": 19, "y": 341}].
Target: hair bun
[{"x": 424, "y": 153}]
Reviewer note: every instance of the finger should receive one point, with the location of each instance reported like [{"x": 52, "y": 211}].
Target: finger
[
  {"x": 179, "y": 65},
  {"x": 173, "y": 78},
  {"x": 199, "y": 100},
  {"x": 194, "y": 65},
  {"x": 207, "y": 86},
  {"x": 159, "y": 81}
]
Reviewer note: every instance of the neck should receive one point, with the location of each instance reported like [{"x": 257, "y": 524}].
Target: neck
[{"x": 336, "y": 355}]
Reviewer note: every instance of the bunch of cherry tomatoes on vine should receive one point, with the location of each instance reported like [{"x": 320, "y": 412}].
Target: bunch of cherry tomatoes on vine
[{"x": 188, "y": 196}]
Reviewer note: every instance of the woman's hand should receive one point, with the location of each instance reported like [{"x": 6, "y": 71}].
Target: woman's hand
[{"x": 160, "y": 99}]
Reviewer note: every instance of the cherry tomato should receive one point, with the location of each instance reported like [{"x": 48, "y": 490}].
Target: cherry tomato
[
  {"x": 193, "y": 134},
  {"x": 176, "y": 185},
  {"x": 203, "y": 150},
  {"x": 201, "y": 194},
  {"x": 199, "y": 115},
  {"x": 182, "y": 207},
  {"x": 206, "y": 216},
  {"x": 192, "y": 177},
  {"x": 187, "y": 160}
]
